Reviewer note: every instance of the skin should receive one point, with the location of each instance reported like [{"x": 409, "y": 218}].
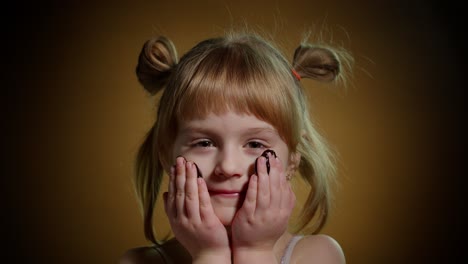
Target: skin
[{"x": 232, "y": 215}]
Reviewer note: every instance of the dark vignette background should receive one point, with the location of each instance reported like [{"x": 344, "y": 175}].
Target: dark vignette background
[{"x": 67, "y": 110}]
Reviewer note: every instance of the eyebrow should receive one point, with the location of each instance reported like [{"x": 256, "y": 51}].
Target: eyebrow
[{"x": 257, "y": 130}]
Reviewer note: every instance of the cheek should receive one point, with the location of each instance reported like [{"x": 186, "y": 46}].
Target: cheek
[
  {"x": 167, "y": 159},
  {"x": 285, "y": 163},
  {"x": 205, "y": 163},
  {"x": 177, "y": 150},
  {"x": 284, "y": 156}
]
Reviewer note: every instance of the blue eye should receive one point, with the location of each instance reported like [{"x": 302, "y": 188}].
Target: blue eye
[{"x": 255, "y": 144}]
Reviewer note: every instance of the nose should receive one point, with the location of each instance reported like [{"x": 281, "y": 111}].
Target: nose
[{"x": 231, "y": 163}]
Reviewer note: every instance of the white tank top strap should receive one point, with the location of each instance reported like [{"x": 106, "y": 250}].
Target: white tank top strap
[{"x": 289, "y": 249}]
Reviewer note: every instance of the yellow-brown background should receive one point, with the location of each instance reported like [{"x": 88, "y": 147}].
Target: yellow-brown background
[{"x": 75, "y": 115}]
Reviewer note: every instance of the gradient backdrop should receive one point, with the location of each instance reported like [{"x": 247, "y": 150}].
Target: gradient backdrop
[{"x": 75, "y": 115}]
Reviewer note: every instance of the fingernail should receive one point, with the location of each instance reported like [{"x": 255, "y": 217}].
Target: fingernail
[
  {"x": 180, "y": 156},
  {"x": 267, "y": 162},
  {"x": 267, "y": 157},
  {"x": 256, "y": 171},
  {"x": 270, "y": 151}
]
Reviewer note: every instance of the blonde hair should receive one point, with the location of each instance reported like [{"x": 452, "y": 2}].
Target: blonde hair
[{"x": 241, "y": 73}]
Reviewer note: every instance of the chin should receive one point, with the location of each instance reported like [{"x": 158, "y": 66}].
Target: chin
[{"x": 225, "y": 215}]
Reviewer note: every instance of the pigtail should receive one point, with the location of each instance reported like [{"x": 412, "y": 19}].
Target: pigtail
[
  {"x": 322, "y": 63},
  {"x": 318, "y": 164},
  {"x": 155, "y": 63},
  {"x": 147, "y": 182}
]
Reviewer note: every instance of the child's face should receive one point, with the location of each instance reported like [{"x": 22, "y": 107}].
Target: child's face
[{"x": 225, "y": 148}]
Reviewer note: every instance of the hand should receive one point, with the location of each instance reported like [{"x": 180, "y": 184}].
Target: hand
[
  {"x": 265, "y": 213},
  {"x": 192, "y": 219}
]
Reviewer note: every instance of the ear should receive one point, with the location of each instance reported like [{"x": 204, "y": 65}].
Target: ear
[
  {"x": 165, "y": 164},
  {"x": 294, "y": 161}
]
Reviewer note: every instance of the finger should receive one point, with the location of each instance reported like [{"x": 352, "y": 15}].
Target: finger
[
  {"x": 263, "y": 194},
  {"x": 180, "y": 179},
  {"x": 250, "y": 201},
  {"x": 191, "y": 192},
  {"x": 171, "y": 186},
  {"x": 276, "y": 190},
  {"x": 206, "y": 209}
]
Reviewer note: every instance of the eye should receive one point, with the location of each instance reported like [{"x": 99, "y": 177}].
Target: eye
[
  {"x": 203, "y": 144},
  {"x": 255, "y": 144}
]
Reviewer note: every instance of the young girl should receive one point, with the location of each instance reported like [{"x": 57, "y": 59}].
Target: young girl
[{"x": 232, "y": 129}]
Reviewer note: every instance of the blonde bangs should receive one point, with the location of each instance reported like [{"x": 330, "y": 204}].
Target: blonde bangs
[{"x": 237, "y": 78}]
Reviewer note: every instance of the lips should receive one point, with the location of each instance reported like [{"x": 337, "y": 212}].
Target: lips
[{"x": 226, "y": 193}]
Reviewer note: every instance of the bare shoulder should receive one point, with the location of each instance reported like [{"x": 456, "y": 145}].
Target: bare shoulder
[
  {"x": 318, "y": 249},
  {"x": 141, "y": 255}
]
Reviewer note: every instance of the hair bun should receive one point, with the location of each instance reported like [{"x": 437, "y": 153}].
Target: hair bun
[
  {"x": 318, "y": 63},
  {"x": 155, "y": 63}
]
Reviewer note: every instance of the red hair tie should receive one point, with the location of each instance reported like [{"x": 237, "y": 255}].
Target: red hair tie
[{"x": 298, "y": 77}]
